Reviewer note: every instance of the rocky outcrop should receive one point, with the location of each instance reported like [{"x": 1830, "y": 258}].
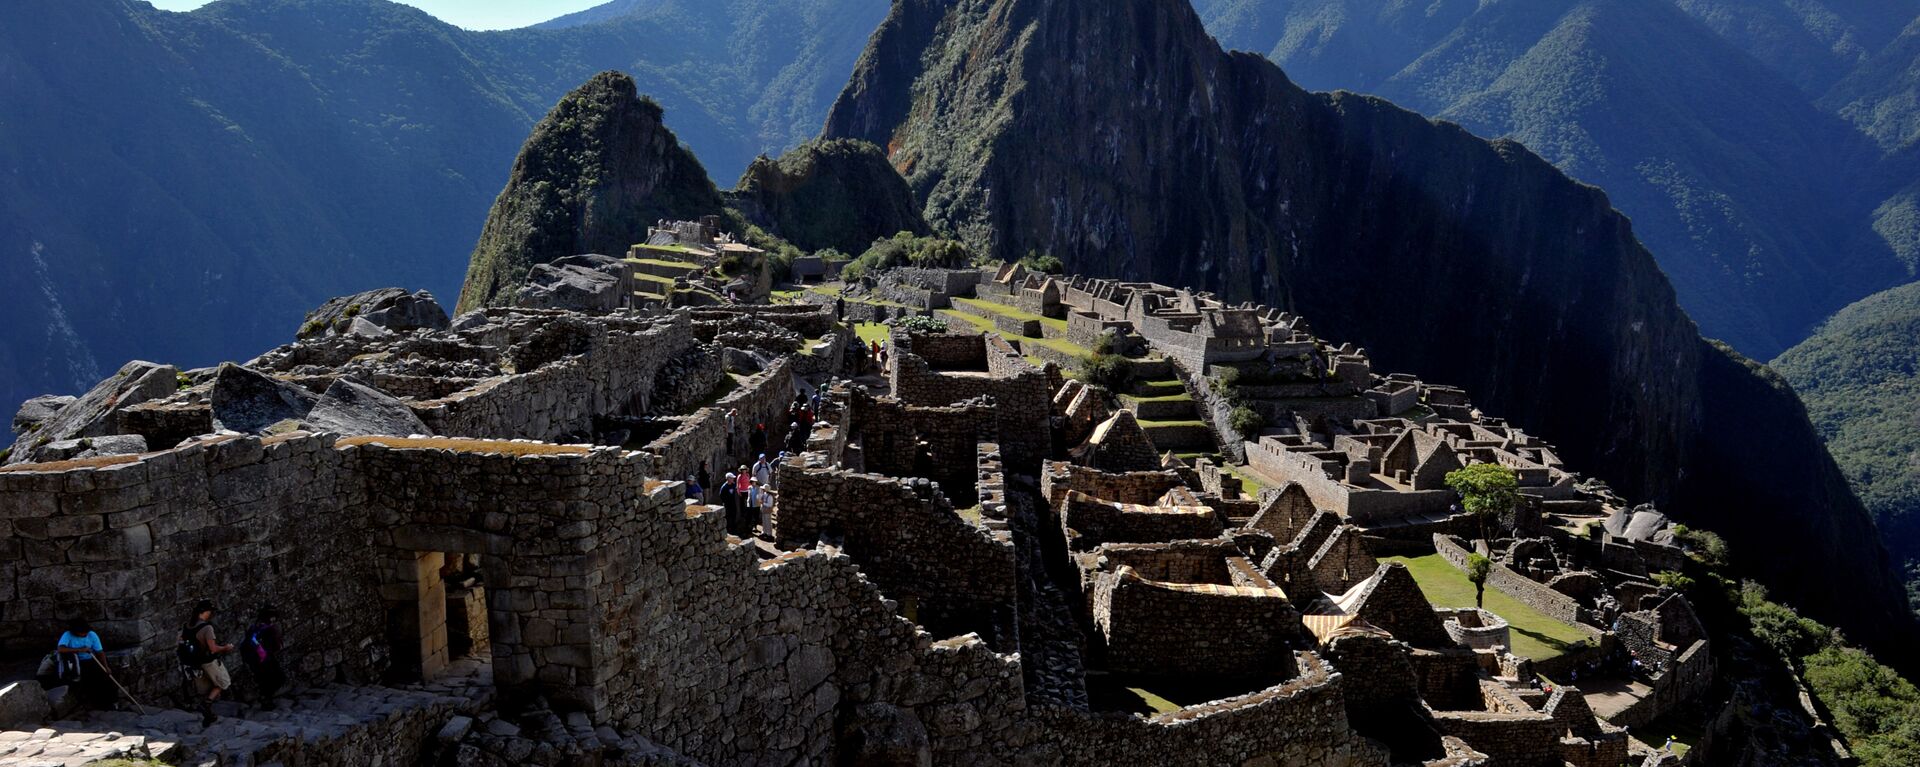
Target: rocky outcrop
[
  {"x": 1120, "y": 137},
  {"x": 391, "y": 309},
  {"x": 583, "y": 283},
  {"x": 596, "y": 173},
  {"x": 249, "y": 402},
  {"x": 832, "y": 193},
  {"x": 351, "y": 408},
  {"x": 44, "y": 421}
]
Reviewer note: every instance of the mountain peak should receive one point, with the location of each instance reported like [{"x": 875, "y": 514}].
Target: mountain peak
[{"x": 597, "y": 171}]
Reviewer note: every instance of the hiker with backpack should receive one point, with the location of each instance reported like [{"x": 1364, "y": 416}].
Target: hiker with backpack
[
  {"x": 260, "y": 650},
  {"x": 199, "y": 653}
]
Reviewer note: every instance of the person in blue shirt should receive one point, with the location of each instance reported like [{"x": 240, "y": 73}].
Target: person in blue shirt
[{"x": 81, "y": 660}]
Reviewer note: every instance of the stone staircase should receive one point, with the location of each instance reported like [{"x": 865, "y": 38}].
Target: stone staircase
[{"x": 1167, "y": 412}]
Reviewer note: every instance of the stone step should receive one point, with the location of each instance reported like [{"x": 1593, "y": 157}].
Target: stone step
[
  {"x": 1179, "y": 436},
  {"x": 1162, "y": 410}
]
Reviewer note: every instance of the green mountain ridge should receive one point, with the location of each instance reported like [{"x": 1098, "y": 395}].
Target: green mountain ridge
[
  {"x": 1860, "y": 378},
  {"x": 1126, "y": 142}
]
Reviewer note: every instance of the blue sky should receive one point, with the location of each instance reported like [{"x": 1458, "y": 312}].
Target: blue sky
[{"x": 472, "y": 14}]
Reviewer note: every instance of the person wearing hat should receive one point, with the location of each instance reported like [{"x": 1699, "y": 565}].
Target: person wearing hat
[{"x": 213, "y": 678}]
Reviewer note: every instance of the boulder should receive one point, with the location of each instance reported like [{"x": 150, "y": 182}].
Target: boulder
[
  {"x": 362, "y": 327},
  {"x": 584, "y": 283},
  {"x": 351, "y": 408},
  {"x": 23, "y": 705},
  {"x": 249, "y": 402},
  {"x": 90, "y": 447},
  {"x": 393, "y": 309},
  {"x": 40, "y": 410},
  {"x": 97, "y": 413}
]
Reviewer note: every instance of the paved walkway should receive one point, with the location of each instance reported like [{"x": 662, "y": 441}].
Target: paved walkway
[
  {"x": 1611, "y": 696},
  {"x": 243, "y": 732}
]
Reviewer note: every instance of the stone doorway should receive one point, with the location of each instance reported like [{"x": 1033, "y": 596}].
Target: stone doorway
[{"x": 436, "y": 614}]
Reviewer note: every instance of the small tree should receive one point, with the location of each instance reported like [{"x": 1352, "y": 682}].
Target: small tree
[
  {"x": 1478, "y": 568},
  {"x": 1486, "y": 490},
  {"x": 1246, "y": 421},
  {"x": 1674, "y": 580}
]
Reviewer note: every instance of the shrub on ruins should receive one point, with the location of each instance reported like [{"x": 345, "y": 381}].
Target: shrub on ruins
[
  {"x": 1108, "y": 370},
  {"x": 1705, "y": 546},
  {"x": 1105, "y": 343},
  {"x": 1246, "y": 421},
  {"x": 921, "y": 324},
  {"x": 1045, "y": 263},
  {"x": 1478, "y": 568},
  {"x": 1675, "y": 580},
  {"x": 909, "y": 249}
]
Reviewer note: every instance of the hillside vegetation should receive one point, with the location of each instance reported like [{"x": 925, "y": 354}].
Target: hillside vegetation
[{"x": 1860, "y": 378}]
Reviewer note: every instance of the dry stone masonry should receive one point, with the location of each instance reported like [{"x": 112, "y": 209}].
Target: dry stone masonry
[{"x": 486, "y": 544}]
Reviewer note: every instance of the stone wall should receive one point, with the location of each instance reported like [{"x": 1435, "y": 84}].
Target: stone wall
[
  {"x": 702, "y": 436},
  {"x": 1176, "y": 629},
  {"x": 985, "y": 366},
  {"x": 939, "y": 443},
  {"x": 1476, "y": 628},
  {"x": 953, "y": 576},
  {"x": 1302, "y": 722},
  {"x": 614, "y": 375},
  {"x": 1145, "y": 487},
  {"x": 132, "y": 545},
  {"x": 1089, "y": 522}
]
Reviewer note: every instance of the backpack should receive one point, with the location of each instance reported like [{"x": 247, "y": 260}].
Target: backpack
[{"x": 190, "y": 651}]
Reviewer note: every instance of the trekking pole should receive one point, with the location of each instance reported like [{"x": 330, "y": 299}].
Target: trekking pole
[{"x": 123, "y": 688}]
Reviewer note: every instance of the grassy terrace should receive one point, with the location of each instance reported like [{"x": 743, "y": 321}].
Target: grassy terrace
[
  {"x": 1535, "y": 635},
  {"x": 1146, "y": 424},
  {"x": 985, "y": 324},
  {"x": 671, "y": 250},
  {"x": 1180, "y": 397},
  {"x": 1019, "y": 314}
]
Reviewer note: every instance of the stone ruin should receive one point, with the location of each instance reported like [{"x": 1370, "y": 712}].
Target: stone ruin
[{"x": 482, "y": 537}]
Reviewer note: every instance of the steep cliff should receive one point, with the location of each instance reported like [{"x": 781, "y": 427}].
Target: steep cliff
[
  {"x": 597, "y": 172},
  {"x": 828, "y": 194},
  {"x": 1120, "y": 137}
]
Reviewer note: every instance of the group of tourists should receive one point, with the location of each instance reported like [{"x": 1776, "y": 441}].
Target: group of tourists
[
  {"x": 79, "y": 660},
  {"x": 748, "y": 497}
]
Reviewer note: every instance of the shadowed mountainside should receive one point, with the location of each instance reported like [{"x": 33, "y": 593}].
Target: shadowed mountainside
[{"x": 1125, "y": 141}]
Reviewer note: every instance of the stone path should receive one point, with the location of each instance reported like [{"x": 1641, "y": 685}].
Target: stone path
[
  {"x": 249, "y": 735},
  {"x": 1612, "y": 695}
]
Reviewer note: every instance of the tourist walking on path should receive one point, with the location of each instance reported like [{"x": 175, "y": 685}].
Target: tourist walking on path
[
  {"x": 763, "y": 471},
  {"x": 261, "y": 651},
  {"x": 758, "y": 440},
  {"x": 201, "y": 649}
]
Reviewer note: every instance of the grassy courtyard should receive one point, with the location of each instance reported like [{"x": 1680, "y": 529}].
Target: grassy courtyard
[{"x": 1535, "y": 635}]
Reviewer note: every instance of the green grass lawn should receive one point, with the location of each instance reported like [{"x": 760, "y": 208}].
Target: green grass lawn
[
  {"x": 1248, "y": 485},
  {"x": 654, "y": 278},
  {"x": 1535, "y": 635},
  {"x": 1182, "y": 397},
  {"x": 1019, "y": 314},
  {"x": 1145, "y": 424},
  {"x": 869, "y": 332},
  {"x": 672, "y": 250},
  {"x": 986, "y": 325}
]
